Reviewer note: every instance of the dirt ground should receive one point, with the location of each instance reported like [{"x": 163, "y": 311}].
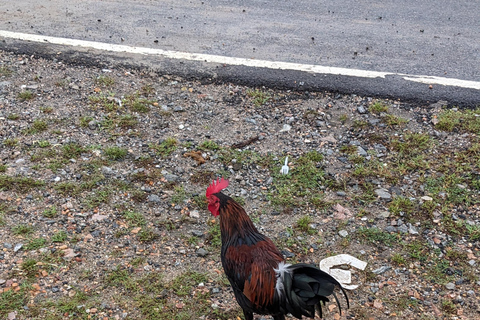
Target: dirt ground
[{"x": 103, "y": 174}]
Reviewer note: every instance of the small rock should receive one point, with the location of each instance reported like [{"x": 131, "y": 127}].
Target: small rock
[
  {"x": 7, "y": 245},
  {"x": 197, "y": 233},
  {"x": 286, "y": 127},
  {"x": 450, "y": 286},
  {"x": 107, "y": 170},
  {"x": 382, "y": 269},
  {"x": 17, "y": 247},
  {"x": 341, "y": 193},
  {"x": 383, "y": 193},
  {"x": 98, "y": 217},
  {"x": 153, "y": 198},
  {"x": 55, "y": 289},
  {"x": 343, "y": 233},
  {"x": 288, "y": 254},
  {"x": 361, "y": 110},
  {"x": 171, "y": 177},
  {"x": 412, "y": 229},
  {"x": 202, "y": 252},
  {"x": 194, "y": 214},
  {"x": 361, "y": 151},
  {"x": 426, "y": 198}
]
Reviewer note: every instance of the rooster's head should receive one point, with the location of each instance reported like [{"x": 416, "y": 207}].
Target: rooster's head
[{"x": 213, "y": 201}]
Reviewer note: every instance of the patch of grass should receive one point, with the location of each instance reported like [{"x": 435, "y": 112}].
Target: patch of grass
[
  {"x": 46, "y": 109},
  {"x": 378, "y": 107},
  {"x": 375, "y": 235},
  {"x": 13, "y": 116},
  {"x": 5, "y": 71},
  {"x": 43, "y": 144},
  {"x": 25, "y": 95},
  {"x": 398, "y": 259},
  {"x": 50, "y": 212},
  {"x": 67, "y": 188},
  {"x": 127, "y": 121},
  {"x": 134, "y": 219},
  {"x": 106, "y": 103},
  {"x": 10, "y": 142},
  {"x": 463, "y": 120},
  {"x": 259, "y": 97},
  {"x": 303, "y": 224},
  {"x": 213, "y": 234},
  {"x": 98, "y": 197},
  {"x": 29, "y": 266},
  {"x": 35, "y": 244},
  {"x": 3, "y": 167},
  {"x": 59, "y": 236},
  {"x": 448, "y": 306},
  {"x": 412, "y": 144},
  {"x": 209, "y": 145},
  {"x": 11, "y": 301},
  {"x": 301, "y": 186},
  {"x": 138, "y": 104},
  {"x": 360, "y": 124},
  {"x": 85, "y": 120},
  {"x": 72, "y": 150},
  {"x": 69, "y": 305},
  {"x": 104, "y": 81},
  {"x": 180, "y": 195},
  {"x": 401, "y": 204},
  {"x": 165, "y": 148},
  {"x": 348, "y": 149},
  {"x": 19, "y": 184},
  {"x": 37, "y": 126},
  {"x": 394, "y": 121},
  {"x": 183, "y": 284},
  {"x": 146, "y": 235},
  {"x": 115, "y": 153},
  {"x": 417, "y": 250}
]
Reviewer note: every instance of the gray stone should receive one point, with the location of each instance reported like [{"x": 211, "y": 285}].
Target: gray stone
[
  {"x": 202, "y": 252},
  {"x": 403, "y": 228},
  {"x": 286, "y": 127},
  {"x": 382, "y": 269},
  {"x": 450, "y": 286},
  {"x": 391, "y": 229},
  {"x": 153, "y": 198},
  {"x": 7, "y": 245},
  {"x": 197, "y": 233},
  {"x": 171, "y": 177},
  {"x": 361, "y": 110},
  {"x": 383, "y": 193},
  {"x": 107, "y": 170},
  {"x": 17, "y": 247},
  {"x": 343, "y": 233},
  {"x": 412, "y": 229},
  {"x": 362, "y": 151}
]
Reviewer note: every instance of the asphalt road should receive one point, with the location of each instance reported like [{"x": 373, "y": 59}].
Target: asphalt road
[{"x": 431, "y": 38}]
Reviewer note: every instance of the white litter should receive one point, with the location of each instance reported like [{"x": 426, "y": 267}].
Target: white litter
[
  {"x": 285, "y": 168},
  {"x": 342, "y": 276}
]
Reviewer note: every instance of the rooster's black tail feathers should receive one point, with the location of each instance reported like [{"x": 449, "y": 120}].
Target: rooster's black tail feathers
[{"x": 306, "y": 288}]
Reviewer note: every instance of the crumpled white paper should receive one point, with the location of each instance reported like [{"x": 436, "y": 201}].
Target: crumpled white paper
[{"x": 342, "y": 276}]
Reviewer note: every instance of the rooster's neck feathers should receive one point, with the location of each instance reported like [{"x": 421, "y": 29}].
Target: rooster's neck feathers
[{"x": 234, "y": 221}]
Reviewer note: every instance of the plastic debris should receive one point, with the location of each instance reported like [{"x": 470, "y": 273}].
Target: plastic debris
[
  {"x": 285, "y": 168},
  {"x": 342, "y": 276}
]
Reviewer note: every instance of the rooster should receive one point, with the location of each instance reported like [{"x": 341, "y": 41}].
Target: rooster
[{"x": 262, "y": 281}]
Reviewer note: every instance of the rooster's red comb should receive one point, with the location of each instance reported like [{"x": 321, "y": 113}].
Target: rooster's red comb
[{"x": 216, "y": 186}]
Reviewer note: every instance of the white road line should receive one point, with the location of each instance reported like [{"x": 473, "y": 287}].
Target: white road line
[{"x": 239, "y": 61}]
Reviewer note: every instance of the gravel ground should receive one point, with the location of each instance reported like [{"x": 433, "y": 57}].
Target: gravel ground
[{"x": 103, "y": 172}]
